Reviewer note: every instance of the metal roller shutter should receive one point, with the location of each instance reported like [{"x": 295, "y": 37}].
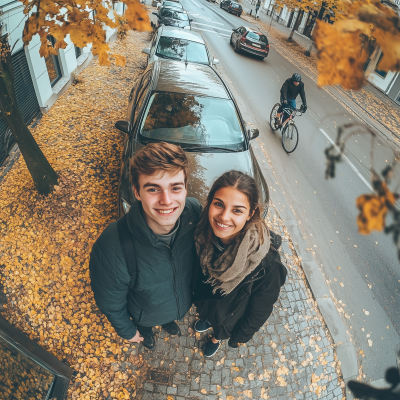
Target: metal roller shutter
[
  {"x": 26, "y": 99},
  {"x": 394, "y": 92}
]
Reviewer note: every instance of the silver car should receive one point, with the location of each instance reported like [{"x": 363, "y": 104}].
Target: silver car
[
  {"x": 178, "y": 44},
  {"x": 191, "y": 106}
]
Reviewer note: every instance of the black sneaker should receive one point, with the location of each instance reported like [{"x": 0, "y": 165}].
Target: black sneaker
[
  {"x": 149, "y": 342},
  {"x": 277, "y": 122},
  {"x": 202, "y": 326},
  {"x": 172, "y": 328},
  {"x": 211, "y": 348}
]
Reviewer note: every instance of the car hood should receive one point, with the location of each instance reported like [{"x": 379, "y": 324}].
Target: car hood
[
  {"x": 173, "y": 22},
  {"x": 205, "y": 168}
]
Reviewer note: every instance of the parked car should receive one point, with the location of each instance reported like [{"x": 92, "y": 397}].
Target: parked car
[
  {"x": 211, "y": 1},
  {"x": 171, "y": 4},
  {"x": 179, "y": 44},
  {"x": 159, "y": 3},
  {"x": 250, "y": 41},
  {"x": 191, "y": 106},
  {"x": 232, "y": 7},
  {"x": 171, "y": 17}
]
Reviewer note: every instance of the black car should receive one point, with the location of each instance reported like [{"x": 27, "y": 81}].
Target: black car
[
  {"x": 250, "y": 41},
  {"x": 232, "y": 7},
  {"x": 171, "y": 17},
  {"x": 188, "y": 105}
]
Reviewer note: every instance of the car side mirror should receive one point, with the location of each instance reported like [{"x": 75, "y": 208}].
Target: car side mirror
[
  {"x": 215, "y": 61},
  {"x": 123, "y": 126},
  {"x": 234, "y": 30},
  {"x": 190, "y": 20},
  {"x": 146, "y": 50},
  {"x": 253, "y": 133},
  {"x": 154, "y": 13}
]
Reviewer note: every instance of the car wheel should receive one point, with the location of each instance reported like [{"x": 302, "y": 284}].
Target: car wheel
[
  {"x": 261, "y": 58},
  {"x": 231, "y": 41},
  {"x": 220, "y": 6},
  {"x": 237, "y": 48}
]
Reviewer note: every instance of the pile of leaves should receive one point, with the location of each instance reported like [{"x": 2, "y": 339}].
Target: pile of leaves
[{"x": 46, "y": 241}]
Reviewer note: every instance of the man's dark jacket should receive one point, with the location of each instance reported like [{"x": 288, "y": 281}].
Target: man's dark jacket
[
  {"x": 162, "y": 292},
  {"x": 290, "y": 91},
  {"x": 241, "y": 313}
]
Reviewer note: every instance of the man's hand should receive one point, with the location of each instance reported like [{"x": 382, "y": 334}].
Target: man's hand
[{"x": 137, "y": 338}]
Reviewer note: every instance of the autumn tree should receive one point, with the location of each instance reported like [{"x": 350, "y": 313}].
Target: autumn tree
[{"x": 84, "y": 21}]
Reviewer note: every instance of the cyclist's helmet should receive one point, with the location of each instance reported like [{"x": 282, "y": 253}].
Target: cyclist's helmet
[{"x": 296, "y": 77}]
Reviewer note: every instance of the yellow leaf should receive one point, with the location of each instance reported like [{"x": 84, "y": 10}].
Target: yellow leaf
[{"x": 239, "y": 380}]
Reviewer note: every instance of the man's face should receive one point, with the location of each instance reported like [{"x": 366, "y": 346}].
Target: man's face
[
  {"x": 296, "y": 83},
  {"x": 163, "y": 199}
]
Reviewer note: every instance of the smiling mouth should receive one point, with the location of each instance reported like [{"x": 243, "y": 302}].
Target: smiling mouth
[
  {"x": 222, "y": 226},
  {"x": 168, "y": 211}
]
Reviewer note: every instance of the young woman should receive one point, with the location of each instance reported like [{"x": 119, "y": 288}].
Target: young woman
[{"x": 240, "y": 273}]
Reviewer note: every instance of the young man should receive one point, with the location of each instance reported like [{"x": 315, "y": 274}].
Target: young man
[
  {"x": 289, "y": 92},
  {"x": 161, "y": 224}
]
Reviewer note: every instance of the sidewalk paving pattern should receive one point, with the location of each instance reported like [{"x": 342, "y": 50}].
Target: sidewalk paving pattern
[{"x": 291, "y": 357}]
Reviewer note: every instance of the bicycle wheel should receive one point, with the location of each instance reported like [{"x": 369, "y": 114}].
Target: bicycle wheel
[
  {"x": 272, "y": 117},
  {"x": 290, "y": 138}
]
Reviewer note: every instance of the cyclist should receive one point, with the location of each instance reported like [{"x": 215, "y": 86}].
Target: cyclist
[{"x": 289, "y": 91}]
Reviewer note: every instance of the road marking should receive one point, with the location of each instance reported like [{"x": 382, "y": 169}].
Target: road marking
[
  {"x": 203, "y": 17},
  {"x": 195, "y": 3},
  {"x": 207, "y": 30},
  {"x": 221, "y": 29},
  {"x": 348, "y": 162}
]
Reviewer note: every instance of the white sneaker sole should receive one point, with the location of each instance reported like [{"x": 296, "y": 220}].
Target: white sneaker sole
[{"x": 219, "y": 345}]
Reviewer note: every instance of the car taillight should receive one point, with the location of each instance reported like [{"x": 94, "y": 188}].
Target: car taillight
[
  {"x": 243, "y": 39},
  {"x": 230, "y": 6},
  {"x": 268, "y": 45}
]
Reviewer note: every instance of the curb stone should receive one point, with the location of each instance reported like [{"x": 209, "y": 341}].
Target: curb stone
[{"x": 345, "y": 350}]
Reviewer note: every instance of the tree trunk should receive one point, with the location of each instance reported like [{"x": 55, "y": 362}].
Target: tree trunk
[
  {"x": 40, "y": 169},
  {"x": 296, "y": 24}
]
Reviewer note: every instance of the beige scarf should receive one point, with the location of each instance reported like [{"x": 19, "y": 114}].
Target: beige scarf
[{"x": 238, "y": 260}]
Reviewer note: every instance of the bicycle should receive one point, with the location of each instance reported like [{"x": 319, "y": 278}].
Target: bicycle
[{"x": 290, "y": 133}]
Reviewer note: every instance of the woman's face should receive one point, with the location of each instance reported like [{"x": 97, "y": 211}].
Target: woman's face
[{"x": 228, "y": 213}]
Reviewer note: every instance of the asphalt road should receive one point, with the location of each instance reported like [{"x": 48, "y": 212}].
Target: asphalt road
[{"x": 363, "y": 272}]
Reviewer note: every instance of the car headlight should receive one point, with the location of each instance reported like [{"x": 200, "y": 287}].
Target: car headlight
[{"x": 125, "y": 206}]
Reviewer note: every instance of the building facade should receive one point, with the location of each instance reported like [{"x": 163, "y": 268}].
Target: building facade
[{"x": 39, "y": 81}]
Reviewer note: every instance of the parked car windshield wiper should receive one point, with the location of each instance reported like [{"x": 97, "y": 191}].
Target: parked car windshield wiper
[{"x": 210, "y": 149}]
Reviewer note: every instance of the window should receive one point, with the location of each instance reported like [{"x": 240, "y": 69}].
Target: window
[
  {"x": 140, "y": 95},
  {"x": 257, "y": 36},
  {"x": 53, "y": 65},
  {"x": 174, "y": 14},
  {"x": 78, "y": 51},
  {"x": 379, "y": 71},
  {"x": 181, "y": 49},
  {"x": 195, "y": 120}
]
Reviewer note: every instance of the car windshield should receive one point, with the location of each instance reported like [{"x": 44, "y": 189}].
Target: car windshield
[
  {"x": 170, "y": 13},
  {"x": 181, "y": 49},
  {"x": 257, "y": 36},
  {"x": 172, "y": 4},
  {"x": 236, "y": 5},
  {"x": 189, "y": 119}
]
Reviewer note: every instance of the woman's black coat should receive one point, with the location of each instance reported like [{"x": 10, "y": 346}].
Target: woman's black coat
[{"x": 241, "y": 313}]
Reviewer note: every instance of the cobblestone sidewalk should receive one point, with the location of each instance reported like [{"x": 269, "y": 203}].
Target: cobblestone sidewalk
[{"x": 291, "y": 357}]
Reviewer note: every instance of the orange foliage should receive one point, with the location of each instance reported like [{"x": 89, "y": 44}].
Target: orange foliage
[
  {"x": 340, "y": 59},
  {"x": 83, "y": 20},
  {"x": 373, "y": 209}
]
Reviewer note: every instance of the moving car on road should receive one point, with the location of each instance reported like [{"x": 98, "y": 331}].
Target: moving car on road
[
  {"x": 250, "y": 41},
  {"x": 171, "y": 17},
  {"x": 232, "y": 7},
  {"x": 179, "y": 44},
  {"x": 188, "y": 105}
]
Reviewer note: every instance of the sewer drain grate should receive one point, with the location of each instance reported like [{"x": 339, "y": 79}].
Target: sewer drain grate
[{"x": 160, "y": 376}]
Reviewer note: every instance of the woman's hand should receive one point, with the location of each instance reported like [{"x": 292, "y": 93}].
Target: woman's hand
[{"x": 137, "y": 338}]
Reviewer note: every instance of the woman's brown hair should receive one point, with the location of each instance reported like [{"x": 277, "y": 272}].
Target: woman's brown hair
[{"x": 245, "y": 184}]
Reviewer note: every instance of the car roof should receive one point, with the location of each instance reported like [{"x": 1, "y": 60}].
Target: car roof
[
  {"x": 173, "y": 8},
  {"x": 178, "y": 77},
  {"x": 172, "y": 31}
]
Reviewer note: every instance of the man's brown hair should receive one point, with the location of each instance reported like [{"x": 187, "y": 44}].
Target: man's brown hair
[{"x": 155, "y": 157}]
